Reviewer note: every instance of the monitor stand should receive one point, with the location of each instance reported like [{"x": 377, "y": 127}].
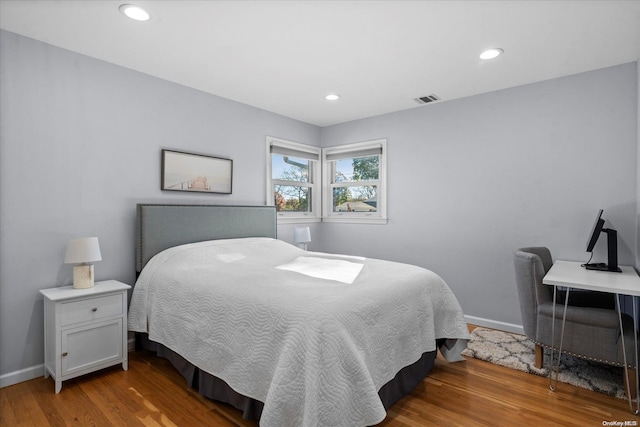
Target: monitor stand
[{"x": 612, "y": 252}]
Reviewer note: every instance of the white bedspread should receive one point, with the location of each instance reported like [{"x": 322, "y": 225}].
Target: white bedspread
[{"x": 314, "y": 351}]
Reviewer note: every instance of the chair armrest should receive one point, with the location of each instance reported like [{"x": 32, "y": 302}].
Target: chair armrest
[{"x": 586, "y": 315}]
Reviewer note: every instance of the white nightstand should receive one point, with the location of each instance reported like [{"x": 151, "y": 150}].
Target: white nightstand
[{"x": 84, "y": 329}]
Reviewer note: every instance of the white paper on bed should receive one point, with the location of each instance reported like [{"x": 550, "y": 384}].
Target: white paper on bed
[
  {"x": 314, "y": 353},
  {"x": 324, "y": 268}
]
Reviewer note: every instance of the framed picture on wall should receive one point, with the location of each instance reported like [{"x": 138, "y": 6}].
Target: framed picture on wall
[{"x": 195, "y": 172}]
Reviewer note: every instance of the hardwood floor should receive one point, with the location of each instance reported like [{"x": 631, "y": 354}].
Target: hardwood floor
[{"x": 152, "y": 393}]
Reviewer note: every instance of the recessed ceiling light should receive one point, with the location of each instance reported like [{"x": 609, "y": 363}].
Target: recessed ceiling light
[
  {"x": 135, "y": 12},
  {"x": 491, "y": 53},
  {"x": 332, "y": 97}
]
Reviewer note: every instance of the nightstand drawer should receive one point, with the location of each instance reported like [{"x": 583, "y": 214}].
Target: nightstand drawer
[{"x": 91, "y": 309}]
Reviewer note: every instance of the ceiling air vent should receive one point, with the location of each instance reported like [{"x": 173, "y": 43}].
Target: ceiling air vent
[{"x": 427, "y": 99}]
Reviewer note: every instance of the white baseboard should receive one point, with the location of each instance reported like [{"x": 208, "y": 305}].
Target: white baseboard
[
  {"x": 25, "y": 374},
  {"x": 494, "y": 324},
  {"x": 131, "y": 344}
]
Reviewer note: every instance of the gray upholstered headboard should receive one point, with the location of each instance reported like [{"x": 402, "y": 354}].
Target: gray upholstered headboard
[{"x": 159, "y": 227}]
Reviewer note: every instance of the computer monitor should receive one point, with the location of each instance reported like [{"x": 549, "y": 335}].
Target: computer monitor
[{"x": 612, "y": 246}]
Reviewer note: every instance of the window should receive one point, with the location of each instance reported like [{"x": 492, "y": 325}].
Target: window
[
  {"x": 354, "y": 182},
  {"x": 293, "y": 180}
]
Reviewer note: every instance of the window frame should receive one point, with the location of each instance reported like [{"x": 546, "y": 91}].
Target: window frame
[
  {"x": 315, "y": 179},
  {"x": 328, "y": 169}
]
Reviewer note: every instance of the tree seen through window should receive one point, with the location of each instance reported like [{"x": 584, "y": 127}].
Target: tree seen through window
[{"x": 353, "y": 196}]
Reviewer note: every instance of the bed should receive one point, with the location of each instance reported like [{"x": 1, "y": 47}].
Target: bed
[{"x": 290, "y": 337}]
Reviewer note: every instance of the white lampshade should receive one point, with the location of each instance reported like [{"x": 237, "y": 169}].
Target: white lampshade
[
  {"x": 302, "y": 235},
  {"x": 81, "y": 251}
]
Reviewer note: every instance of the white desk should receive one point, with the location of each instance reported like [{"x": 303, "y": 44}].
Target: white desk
[{"x": 573, "y": 276}]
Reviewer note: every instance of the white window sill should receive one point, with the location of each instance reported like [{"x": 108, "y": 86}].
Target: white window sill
[
  {"x": 355, "y": 220},
  {"x": 284, "y": 219}
]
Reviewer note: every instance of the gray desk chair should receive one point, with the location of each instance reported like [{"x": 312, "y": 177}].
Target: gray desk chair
[{"x": 592, "y": 328}]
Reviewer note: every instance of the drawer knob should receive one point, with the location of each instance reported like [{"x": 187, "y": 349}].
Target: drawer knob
[
  {"x": 64, "y": 354},
  {"x": 94, "y": 309}
]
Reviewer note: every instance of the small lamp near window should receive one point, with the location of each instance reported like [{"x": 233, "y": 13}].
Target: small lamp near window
[
  {"x": 83, "y": 252},
  {"x": 302, "y": 236}
]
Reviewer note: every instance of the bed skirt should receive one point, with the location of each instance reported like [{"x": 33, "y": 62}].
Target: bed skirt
[{"x": 214, "y": 388}]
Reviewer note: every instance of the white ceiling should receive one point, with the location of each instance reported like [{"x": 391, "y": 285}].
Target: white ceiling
[{"x": 285, "y": 56}]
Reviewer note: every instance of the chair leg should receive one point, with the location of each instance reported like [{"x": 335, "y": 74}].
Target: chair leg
[
  {"x": 631, "y": 381},
  {"x": 539, "y": 356}
]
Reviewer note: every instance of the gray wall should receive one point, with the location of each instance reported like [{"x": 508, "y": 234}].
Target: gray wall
[
  {"x": 470, "y": 180},
  {"x": 80, "y": 146}
]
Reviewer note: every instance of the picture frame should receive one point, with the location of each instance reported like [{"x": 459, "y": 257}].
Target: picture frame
[{"x": 192, "y": 172}]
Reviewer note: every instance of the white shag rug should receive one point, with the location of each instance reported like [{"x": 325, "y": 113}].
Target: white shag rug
[{"x": 518, "y": 352}]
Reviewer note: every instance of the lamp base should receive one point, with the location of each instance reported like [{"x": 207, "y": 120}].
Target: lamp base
[{"x": 83, "y": 276}]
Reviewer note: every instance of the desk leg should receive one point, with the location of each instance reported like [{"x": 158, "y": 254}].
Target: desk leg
[
  {"x": 553, "y": 336},
  {"x": 624, "y": 354},
  {"x": 635, "y": 344}
]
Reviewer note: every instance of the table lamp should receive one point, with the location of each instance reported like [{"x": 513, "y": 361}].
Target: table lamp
[
  {"x": 83, "y": 252},
  {"x": 302, "y": 236}
]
